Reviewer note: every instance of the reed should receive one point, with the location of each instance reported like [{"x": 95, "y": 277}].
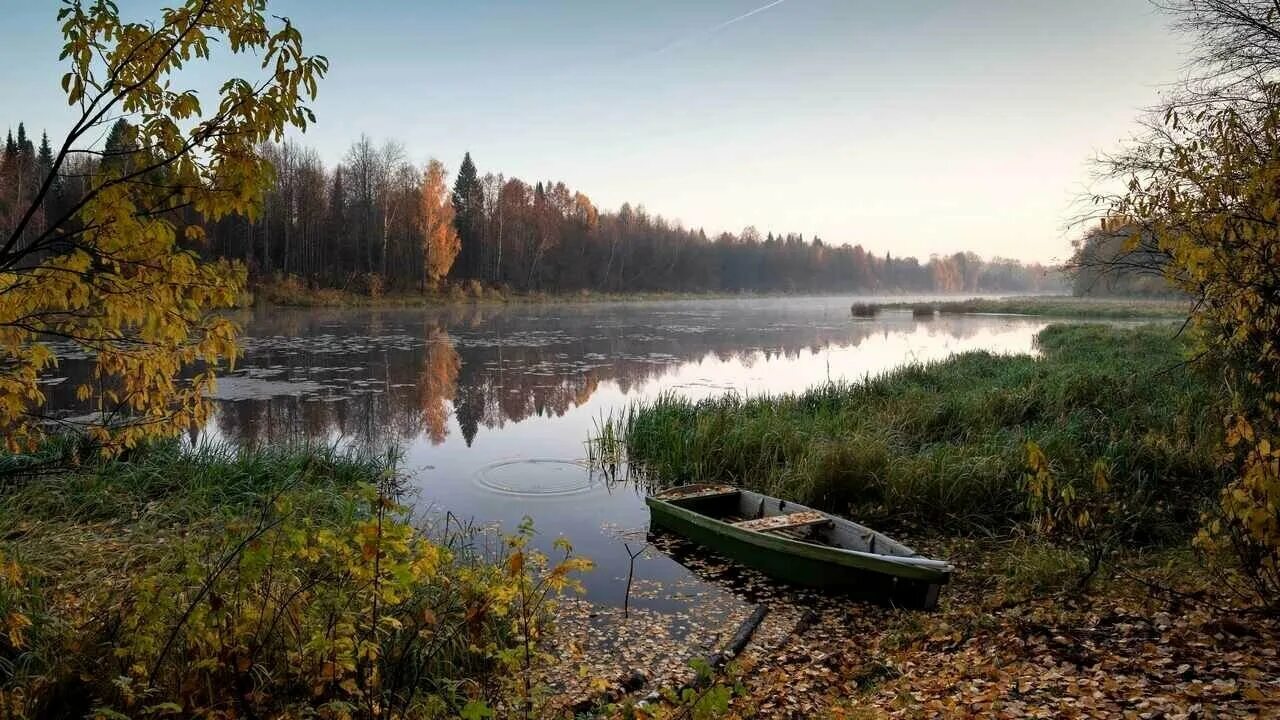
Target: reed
[{"x": 923, "y": 310}]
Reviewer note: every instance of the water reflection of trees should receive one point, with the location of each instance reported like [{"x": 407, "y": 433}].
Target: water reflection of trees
[
  {"x": 486, "y": 367},
  {"x": 438, "y": 383}
]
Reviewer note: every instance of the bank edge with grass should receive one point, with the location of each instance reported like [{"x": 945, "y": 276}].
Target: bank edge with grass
[
  {"x": 1053, "y": 306},
  {"x": 943, "y": 445},
  {"x": 253, "y": 583}
]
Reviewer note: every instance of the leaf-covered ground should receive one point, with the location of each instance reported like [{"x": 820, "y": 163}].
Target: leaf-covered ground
[
  {"x": 1053, "y": 658},
  {"x": 1147, "y": 643}
]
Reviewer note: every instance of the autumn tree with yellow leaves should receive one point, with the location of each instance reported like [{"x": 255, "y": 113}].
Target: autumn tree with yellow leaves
[
  {"x": 440, "y": 240},
  {"x": 108, "y": 273},
  {"x": 1201, "y": 205}
]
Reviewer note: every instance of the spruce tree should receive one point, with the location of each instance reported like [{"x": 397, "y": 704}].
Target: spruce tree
[
  {"x": 55, "y": 199},
  {"x": 44, "y": 156},
  {"x": 21, "y": 175},
  {"x": 342, "y": 254},
  {"x": 44, "y": 165},
  {"x": 8, "y": 166},
  {"x": 468, "y": 217},
  {"x": 8, "y": 189},
  {"x": 24, "y": 142},
  {"x": 118, "y": 146},
  {"x": 27, "y": 180}
]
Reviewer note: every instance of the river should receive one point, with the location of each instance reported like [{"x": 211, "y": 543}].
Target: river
[{"x": 491, "y": 405}]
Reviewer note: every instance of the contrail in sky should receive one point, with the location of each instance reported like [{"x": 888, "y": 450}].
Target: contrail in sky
[
  {"x": 744, "y": 16},
  {"x": 715, "y": 29}
]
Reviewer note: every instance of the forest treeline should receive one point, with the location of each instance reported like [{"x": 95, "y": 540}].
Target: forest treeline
[
  {"x": 1117, "y": 258},
  {"x": 378, "y": 221}
]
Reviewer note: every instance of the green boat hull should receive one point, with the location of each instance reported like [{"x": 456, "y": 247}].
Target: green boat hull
[{"x": 803, "y": 563}]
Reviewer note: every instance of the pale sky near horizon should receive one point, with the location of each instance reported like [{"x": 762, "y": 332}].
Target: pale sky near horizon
[{"x": 909, "y": 126}]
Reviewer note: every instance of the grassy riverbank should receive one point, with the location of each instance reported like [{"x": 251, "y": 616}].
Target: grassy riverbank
[
  {"x": 939, "y": 454},
  {"x": 244, "y": 583},
  {"x": 289, "y": 291},
  {"x": 1056, "y": 306},
  {"x": 945, "y": 444}
]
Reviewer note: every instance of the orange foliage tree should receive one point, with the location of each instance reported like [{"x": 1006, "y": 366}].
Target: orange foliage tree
[{"x": 440, "y": 238}]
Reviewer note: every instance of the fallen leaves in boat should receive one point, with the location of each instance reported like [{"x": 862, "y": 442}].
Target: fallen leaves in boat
[
  {"x": 697, "y": 491},
  {"x": 784, "y": 521}
]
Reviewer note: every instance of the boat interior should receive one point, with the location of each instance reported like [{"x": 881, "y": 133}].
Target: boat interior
[{"x": 752, "y": 511}]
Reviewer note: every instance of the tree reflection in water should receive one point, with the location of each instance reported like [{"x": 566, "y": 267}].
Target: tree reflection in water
[{"x": 377, "y": 377}]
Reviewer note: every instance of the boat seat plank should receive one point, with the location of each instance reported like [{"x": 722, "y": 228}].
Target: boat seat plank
[
  {"x": 775, "y": 523},
  {"x": 706, "y": 491}
]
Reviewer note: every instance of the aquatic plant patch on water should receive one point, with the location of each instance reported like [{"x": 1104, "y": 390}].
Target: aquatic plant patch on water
[
  {"x": 1060, "y": 306},
  {"x": 944, "y": 444}
]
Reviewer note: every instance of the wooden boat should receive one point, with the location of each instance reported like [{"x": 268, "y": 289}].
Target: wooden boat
[{"x": 799, "y": 544}]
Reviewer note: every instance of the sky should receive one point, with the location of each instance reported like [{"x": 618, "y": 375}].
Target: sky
[{"x": 908, "y": 126}]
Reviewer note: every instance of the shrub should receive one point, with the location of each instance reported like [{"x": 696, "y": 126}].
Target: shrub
[
  {"x": 254, "y": 584},
  {"x": 373, "y": 285}
]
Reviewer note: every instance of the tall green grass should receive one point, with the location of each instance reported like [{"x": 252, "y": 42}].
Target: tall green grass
[
  {"x": 944, "y": 444},
  {"x": 165, "y": 483}
]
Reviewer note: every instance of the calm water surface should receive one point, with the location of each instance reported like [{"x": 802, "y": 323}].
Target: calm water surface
[{"x": 491, "y": 405}]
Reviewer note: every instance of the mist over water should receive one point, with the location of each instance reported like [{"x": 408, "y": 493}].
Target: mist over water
[{"x": 491, "y": 405}]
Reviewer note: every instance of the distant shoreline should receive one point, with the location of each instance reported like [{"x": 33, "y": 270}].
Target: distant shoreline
[{"x": 277, "y": 295}]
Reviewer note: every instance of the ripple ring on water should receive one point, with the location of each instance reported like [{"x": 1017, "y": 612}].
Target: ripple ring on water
[{"x": 536, "y": 476}]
